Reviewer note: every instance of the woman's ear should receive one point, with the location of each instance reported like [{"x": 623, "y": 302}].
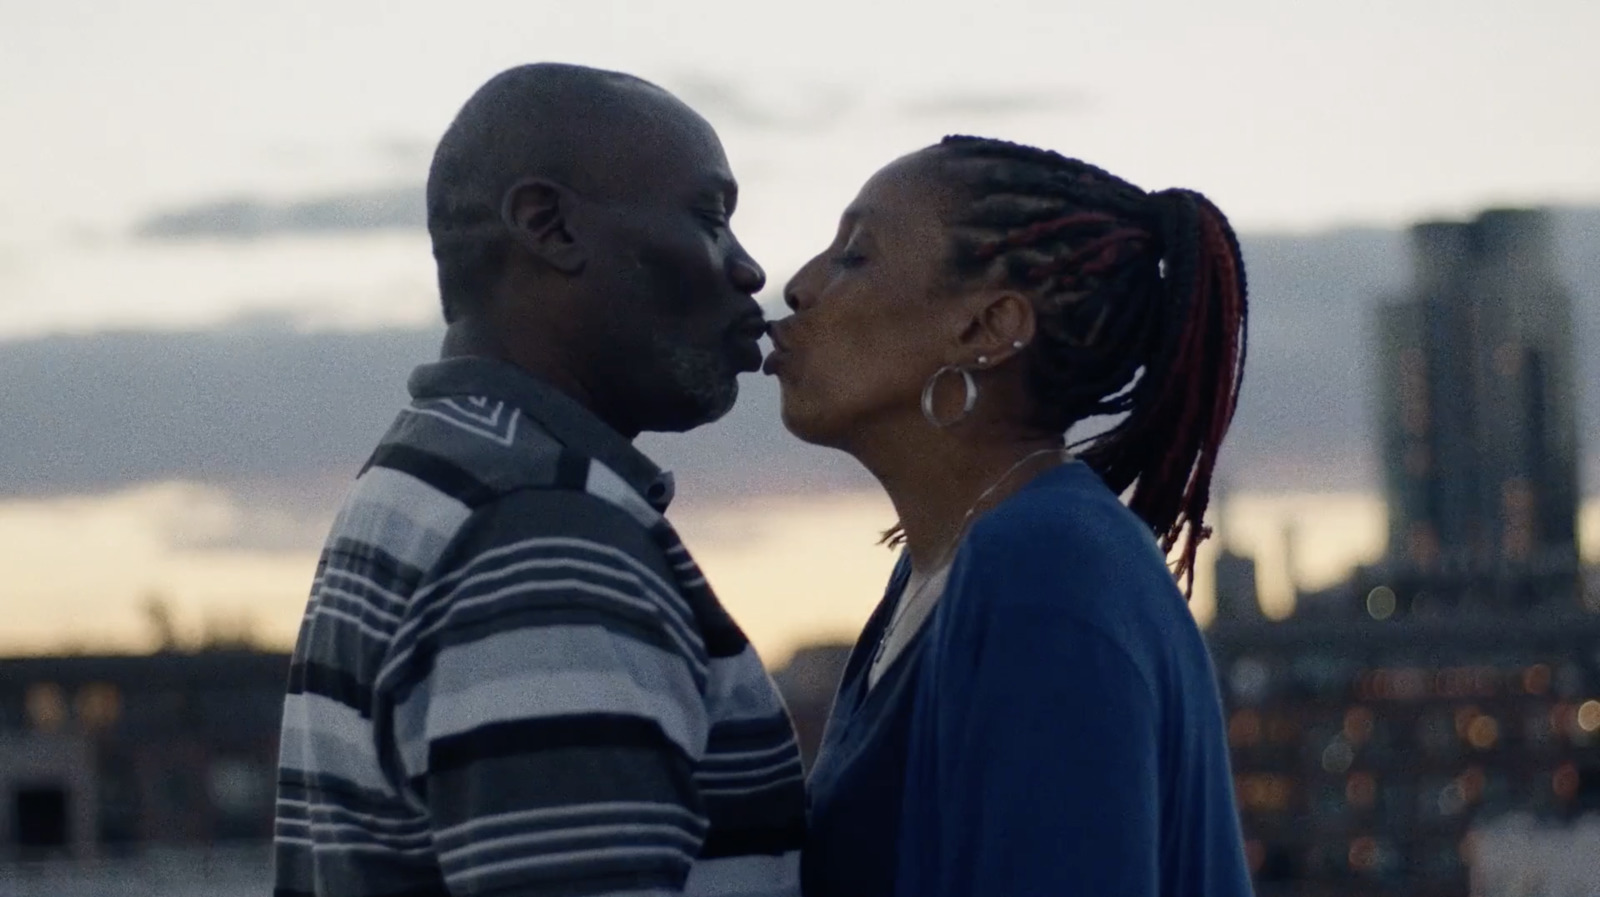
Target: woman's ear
[{"x": 999, "y": 325}]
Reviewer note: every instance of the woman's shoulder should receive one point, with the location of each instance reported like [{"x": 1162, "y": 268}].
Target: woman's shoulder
[
  {"x": 1066, "y": 542},
  {"x": 1066, "y": 507}
]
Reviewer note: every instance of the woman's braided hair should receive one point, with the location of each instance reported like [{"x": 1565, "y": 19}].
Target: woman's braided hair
[{"x": 1141, "y": 312}]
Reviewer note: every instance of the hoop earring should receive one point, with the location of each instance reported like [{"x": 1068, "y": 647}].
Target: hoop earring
[{"x": 971, "y": 399}]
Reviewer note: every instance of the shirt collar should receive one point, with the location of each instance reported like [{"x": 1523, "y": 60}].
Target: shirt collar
[{"x": 573, "y": 425}]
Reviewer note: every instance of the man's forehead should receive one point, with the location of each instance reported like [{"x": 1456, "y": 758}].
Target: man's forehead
[
  {"x": 721, "y": 183},
  {"x": 669, "y": 150}
]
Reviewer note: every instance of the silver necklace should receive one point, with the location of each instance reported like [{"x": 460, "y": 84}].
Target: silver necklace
[{"x": 906, "y": 602}]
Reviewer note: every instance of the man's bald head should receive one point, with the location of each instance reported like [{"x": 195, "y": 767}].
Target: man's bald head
[
  {"x": 589, "y": 130},
  {"x": 581, "y": 220}
]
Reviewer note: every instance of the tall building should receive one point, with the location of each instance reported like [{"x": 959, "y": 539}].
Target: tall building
[
  {"x": 1382, "y": 734},
  {"x": 1237, "y": 598},
  {"x": 1233, "y": 573},
  {"x": 1477, "y": 404}
]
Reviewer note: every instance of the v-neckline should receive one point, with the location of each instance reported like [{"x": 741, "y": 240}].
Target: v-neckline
[{"x": 860, "y": 667}]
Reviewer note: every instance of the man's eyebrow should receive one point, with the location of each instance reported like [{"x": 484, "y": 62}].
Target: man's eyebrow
[{"x": 724, "y": 188}]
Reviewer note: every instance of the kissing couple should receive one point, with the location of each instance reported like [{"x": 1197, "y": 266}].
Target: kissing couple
[{"x": 512, "y": 678}]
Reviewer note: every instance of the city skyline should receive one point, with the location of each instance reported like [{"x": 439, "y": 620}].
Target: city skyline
[
  {"x": 229, "y": 189},
  {"x": 215, "y": 278},
  {"x": 1455, "y": 682}
]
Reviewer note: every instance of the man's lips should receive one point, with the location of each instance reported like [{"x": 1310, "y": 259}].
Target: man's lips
[
  {"x": 746, "y": 338},
  {"x": 746, "y": 354},
  {"x": 752, "y": 327},
  {"x": 780, "y": 350}
]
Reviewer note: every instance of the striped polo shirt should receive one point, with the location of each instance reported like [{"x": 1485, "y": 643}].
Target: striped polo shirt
[{"x": 512, "y": 679}]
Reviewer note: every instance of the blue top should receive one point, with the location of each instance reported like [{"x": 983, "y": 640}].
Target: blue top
[{"x": 1055, "y": 729}]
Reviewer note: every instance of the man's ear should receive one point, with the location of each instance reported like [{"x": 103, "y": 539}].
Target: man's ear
[{"x": 537, "y": 214}]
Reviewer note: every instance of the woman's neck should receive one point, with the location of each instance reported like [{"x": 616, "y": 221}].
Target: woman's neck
[{"x": 935, "y": 478}]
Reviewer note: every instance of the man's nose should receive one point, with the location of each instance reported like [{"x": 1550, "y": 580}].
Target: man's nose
[{"x": 746, "y": 274}]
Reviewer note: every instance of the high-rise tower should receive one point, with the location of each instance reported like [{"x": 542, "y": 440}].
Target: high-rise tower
[{"x": 1478, "y": 410}]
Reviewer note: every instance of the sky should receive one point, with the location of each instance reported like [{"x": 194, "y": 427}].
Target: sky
[{"x": 227, "y": 171}]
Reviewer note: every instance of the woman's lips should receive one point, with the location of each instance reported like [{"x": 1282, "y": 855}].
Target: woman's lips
[{"x": 780, "y": 349}]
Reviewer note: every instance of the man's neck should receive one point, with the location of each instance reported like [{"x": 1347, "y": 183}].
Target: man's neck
[{"x": 472, "y": 336}]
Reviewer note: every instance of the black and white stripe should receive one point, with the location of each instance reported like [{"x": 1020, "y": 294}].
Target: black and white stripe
[{"x": 512, "y": 677}]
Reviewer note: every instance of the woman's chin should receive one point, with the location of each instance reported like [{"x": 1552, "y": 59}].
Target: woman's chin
[{"x": 803, "y": 422}]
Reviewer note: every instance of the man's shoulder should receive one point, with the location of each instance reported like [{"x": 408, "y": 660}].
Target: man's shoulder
[
  {"x": 480, "y": 449},
  {"x": 474, "y": 448},
  {"x": 464, "y": 473}
]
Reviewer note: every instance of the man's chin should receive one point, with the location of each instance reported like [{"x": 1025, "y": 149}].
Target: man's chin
[
  {"x": 727, "y": 396},
  {"x": 692, "y": 411}
]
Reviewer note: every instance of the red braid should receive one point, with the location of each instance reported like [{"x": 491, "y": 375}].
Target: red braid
[
  {"x": 1214, "y": 325},
  {"x": 1163, "y": 347}
]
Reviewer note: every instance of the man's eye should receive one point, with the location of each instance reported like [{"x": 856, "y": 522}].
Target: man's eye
[
  {"x": 849, "y": 259},
  {"x": 714, "y": 220}
]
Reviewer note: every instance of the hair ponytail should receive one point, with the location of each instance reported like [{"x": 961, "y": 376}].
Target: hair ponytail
[
  {"x": 1166, "y": 449},
  {"x": 1142, "y": 310}
]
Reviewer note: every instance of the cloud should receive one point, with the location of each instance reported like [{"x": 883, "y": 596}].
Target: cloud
[
  {"x": 244, "y": 218},
  {"x": 275, "y": 413},
  {"x": 993, "y": 104},
  {"x": 13, "y": 265},
  {"x": 726, "y": 101},
  {"x": 283, "y": 419},
  {"x": 245, "y": 403},
  {"x": 270, "y": 517},
  {"x": 403, "y": 207},
  {"x": 404, "y": 150},
  {"x": 719, "y": 98}
]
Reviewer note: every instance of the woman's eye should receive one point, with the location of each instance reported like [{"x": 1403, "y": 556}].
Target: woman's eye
[{"x": 849, "y": 259}]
